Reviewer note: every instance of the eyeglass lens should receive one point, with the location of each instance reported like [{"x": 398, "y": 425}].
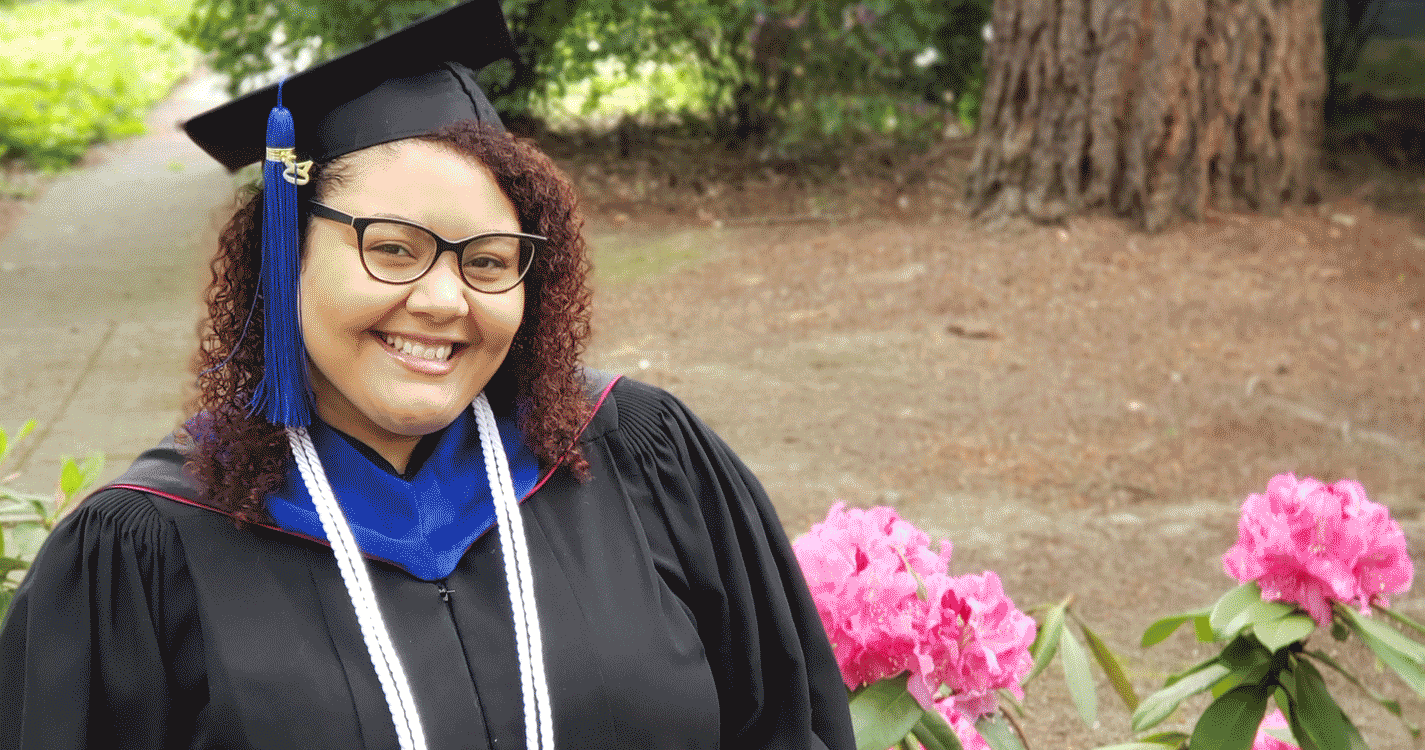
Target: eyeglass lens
[{"x": 399, "y": 252}]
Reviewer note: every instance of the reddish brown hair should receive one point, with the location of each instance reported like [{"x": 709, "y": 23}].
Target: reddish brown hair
[{"x": 241, "y": 458}]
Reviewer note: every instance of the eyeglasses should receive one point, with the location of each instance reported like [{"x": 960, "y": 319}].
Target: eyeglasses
[{"x": 395, "y": 251}]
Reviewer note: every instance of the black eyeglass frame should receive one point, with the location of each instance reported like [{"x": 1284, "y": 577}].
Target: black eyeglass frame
[{"x": 360, "y": 223}]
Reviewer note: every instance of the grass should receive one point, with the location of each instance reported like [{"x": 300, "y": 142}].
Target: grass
[{"x": 1391, "y": 69}]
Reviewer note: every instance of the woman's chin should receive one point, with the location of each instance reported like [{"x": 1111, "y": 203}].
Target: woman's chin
[{"x": 414, "y": 420}]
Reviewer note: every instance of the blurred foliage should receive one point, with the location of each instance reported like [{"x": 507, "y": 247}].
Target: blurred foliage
[
  {"x": 773, "y": 71},
  {"x": 27, "y": 519},
  {"x": 1346, "y": 27},
  {"x": 77, "y": 73}
]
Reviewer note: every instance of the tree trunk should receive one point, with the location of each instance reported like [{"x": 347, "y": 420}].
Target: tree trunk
[{"x": 1151, "y": 108}]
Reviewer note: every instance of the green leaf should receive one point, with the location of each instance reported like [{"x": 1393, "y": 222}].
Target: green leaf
[
  {"x": 1388, "y": 704},
  {"x": 1316, "y": 712},
  {"x": 998, "y": 733},
  {"x": 1230, "y": 613},
  {"x": 6, "y": 596},
  {"x": 1406, "y": 669},
  {"x": 25, "y": 430},
  {"x": 1411, "y": 650},
  {"x": 1279, "y": 633},
  {"x": 1080, "y": 680},
  {"x": 1161, "y": 704},
  {"x": 934, "y": 733},
  {"x": 1111, "y": 666},
  {"x": 69, "y": 478},
  {"x": 1401, "y": 619},
  {"x": 884, "y": 712},
  {"x": 1137, "y": 746},
  {"x": 1167, "y": 738},
  {"x": 1202, "y": 630},
  {"x": 1160, "y": 630},
  {"x": 8, "y": 564},
  {"x": 1230, "y": 722},
  {"x": 1046, "y": 641}
]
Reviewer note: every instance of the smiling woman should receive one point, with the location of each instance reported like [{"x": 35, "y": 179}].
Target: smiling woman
[
  {"x": 402, "y": 514},
  {"x": 391, "y": 363}
]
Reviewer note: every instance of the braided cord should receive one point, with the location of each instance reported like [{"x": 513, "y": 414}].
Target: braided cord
[
  {"x": 519, "y": 580},
  {"x": 384, "y": 659}
]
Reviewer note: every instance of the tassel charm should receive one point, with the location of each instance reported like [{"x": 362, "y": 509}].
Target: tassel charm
[
  {"x": 283, "y": 395},
  {"x": 296, "y": 171}
]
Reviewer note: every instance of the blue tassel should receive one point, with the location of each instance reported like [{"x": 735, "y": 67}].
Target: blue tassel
[{"x": 283, "y": 395}]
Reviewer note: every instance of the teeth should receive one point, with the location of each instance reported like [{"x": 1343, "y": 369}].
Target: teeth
[{"x": 405, "y": 346}]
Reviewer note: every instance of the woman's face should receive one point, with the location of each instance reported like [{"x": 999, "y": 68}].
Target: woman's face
[{"x": 356, "y": 327}]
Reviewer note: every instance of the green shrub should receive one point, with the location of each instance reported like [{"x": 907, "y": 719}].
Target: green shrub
[
  {"x": 77, "y": 73},
  {"x": 26, "y": 519}
]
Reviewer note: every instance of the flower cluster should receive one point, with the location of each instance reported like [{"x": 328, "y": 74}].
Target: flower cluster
[
  {"x": 890, "y": 605},
  {"x": 1266, "y": 741},
  {"x": 1313, "y": 544}
]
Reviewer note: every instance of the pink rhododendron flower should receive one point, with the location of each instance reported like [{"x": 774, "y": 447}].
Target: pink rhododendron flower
[
  {"x": 890, "y": 605},
  {"x": 1264, "y": 741},
  {"x": 1313, "y": 544}
]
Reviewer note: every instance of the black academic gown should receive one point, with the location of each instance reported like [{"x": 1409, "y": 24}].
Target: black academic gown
[{"x": 672, "y": 610}]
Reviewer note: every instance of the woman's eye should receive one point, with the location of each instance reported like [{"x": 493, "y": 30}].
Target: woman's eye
[
  {"x": 391, "y": 249},
  {"x": 486, "y": 263}
]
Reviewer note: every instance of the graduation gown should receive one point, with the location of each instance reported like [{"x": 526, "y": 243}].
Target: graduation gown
[{"x": 673, "y": 614}]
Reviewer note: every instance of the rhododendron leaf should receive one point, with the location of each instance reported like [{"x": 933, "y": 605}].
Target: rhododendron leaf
[
  {"x": 883, "y": 712},
  {"x": 1411, "y": 650},
  {"x": 1046, "y": 641},
  {"x": 1244, "y": 653},
  {"x": 1339, "y": 631},
  {"x": 1108, "y": 661},
  {"x": 1277, "y": 634},
  {"x": 1161, "y": 704},
  {"x": 1160, "y": 630},
  {"x": 934, "y": 733},
  {"x": 1229, "y": 609},
  {"x": 1255, "y": 675},
  {"x": 1316, "y": 712},
  {"x": 1230, "y": 722},
  {"x": 1409, "y": 671},
  {"x": 998, "y": 733},
  {"x": 1402, "y": 619},
  {"x": 1202, "y": 630},
  {"x": 1388, "y": 704},
  {"x": 1265, "y": 611},
  {"x": 1167, "y": 738},
  {"x": 1080, "y": 680}
]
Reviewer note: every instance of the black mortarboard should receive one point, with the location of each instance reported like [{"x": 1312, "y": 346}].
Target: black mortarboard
[{"x": 410, "y": 83}]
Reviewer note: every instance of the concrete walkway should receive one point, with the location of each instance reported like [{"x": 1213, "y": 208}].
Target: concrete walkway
[{"x": 100, "y": 289}]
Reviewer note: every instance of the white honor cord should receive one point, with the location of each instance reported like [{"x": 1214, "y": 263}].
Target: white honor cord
[
  {"x": 384, "y": 659},
  {"x": 519, "y": 580}
]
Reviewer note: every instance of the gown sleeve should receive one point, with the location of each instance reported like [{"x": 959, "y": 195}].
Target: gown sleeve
[
  {"x": 100, "y": 644},
  {"x": 777, "y": 681}
]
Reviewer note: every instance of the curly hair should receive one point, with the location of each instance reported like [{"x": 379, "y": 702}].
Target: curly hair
[{"x": 239, "y": 458}]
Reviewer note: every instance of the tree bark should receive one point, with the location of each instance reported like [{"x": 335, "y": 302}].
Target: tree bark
[{"x": 1150, "y": 108}]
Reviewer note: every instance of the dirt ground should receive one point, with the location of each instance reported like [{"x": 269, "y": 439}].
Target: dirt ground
[{"x": 1080, "y": 408}]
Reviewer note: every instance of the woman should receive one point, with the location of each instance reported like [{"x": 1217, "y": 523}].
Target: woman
[{"x": 640, "y": 594}]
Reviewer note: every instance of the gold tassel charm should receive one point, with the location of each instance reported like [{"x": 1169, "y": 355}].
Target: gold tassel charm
[{"x": 297, "y": 172}]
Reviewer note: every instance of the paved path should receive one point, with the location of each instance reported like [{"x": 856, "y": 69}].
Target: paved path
[{"x": 100, "y": 286}]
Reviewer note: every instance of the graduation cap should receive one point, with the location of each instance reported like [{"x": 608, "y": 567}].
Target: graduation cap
[{"x": 413, "y": 82}]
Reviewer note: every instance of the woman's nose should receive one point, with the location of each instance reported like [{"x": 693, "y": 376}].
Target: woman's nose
[{"x": 441, "y": 292}]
